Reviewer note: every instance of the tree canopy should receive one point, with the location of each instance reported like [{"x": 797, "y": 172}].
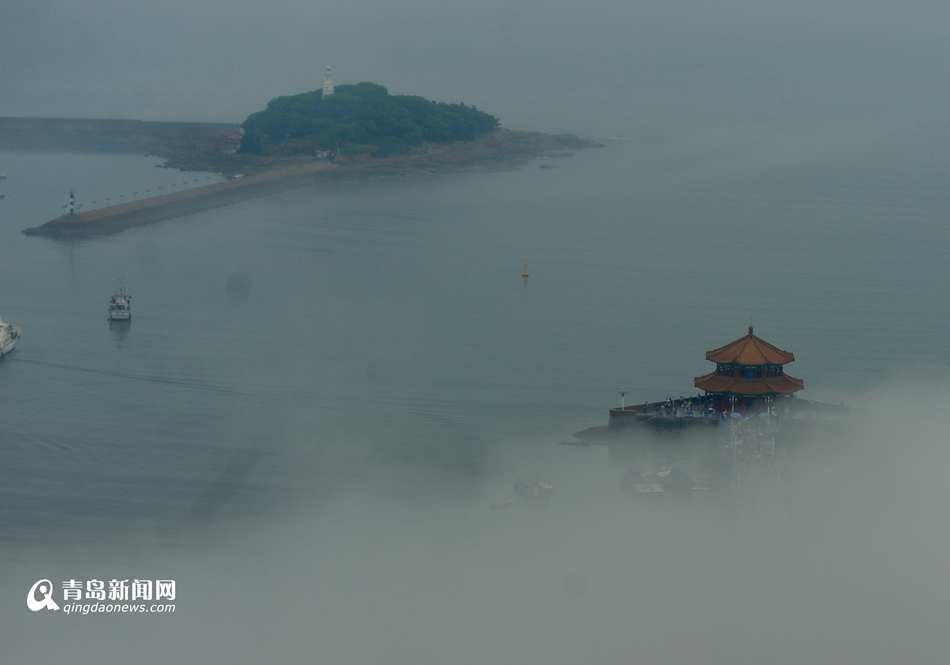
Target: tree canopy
[{"x": 361, "y": 117}]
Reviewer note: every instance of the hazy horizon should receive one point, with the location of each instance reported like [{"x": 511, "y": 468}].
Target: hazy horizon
[{"x": 606, "y": 68}]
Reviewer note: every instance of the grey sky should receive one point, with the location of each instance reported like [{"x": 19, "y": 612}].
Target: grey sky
[{"x": 553, "y": 65}]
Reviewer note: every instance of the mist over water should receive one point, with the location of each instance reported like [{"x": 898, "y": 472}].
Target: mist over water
[
  {"x": 324, "y": 393},
  {"x": 842, "y": 560}
]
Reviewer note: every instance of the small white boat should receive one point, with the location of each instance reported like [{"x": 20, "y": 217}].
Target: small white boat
[
  {"x": 120, "y": 306},
  {"x": 9, "y": 334}
]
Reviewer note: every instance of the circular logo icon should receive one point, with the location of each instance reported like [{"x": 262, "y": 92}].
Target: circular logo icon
[{"x": 40, "y": 596}]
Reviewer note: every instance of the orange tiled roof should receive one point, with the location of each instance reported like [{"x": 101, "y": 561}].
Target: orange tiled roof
[
  {"x": 782, "y": 384},
  {"x": 750, "y": 350}
]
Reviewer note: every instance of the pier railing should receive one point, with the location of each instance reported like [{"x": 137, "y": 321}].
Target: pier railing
[{"x": 674, "y": 413}]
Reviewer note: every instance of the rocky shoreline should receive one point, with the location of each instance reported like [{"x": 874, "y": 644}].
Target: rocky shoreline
[{"x": 501, "y": 147}]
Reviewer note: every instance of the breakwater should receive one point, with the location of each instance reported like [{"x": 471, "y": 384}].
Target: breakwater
[
  {"x": 112, "y": 219},
  {"x": 269, "y": 174}
]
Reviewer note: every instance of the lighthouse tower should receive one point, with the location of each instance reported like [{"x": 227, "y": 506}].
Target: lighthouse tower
[
  {"x": 72, "y": 207},
  {"x": 328, "y": 88}
]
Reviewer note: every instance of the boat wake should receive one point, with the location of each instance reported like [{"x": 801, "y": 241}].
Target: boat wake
[{"x": 192, "y": 384}]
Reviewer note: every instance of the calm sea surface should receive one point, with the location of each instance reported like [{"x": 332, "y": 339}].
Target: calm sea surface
[
  {"x": 387, "y": 320},
  {"x": 369, "y": 334}
]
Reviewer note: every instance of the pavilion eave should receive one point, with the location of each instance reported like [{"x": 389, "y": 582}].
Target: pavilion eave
[{"x": 782, "y": 384}]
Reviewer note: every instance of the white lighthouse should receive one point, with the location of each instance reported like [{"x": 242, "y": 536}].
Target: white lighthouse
[
  {"x": 71, "y": 207},
  {"x": 328, "y": 88}
]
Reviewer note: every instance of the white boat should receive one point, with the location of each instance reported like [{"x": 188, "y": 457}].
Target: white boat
[
  {"x": 120, "y": 306},
  {"x": 9, "y": 334}
]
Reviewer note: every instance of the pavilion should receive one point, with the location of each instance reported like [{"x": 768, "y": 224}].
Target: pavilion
[{"x": 749, "y": 375}]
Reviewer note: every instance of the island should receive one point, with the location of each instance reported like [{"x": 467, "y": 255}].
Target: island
[
  {"x": 345, "y": 131},
  {"x": 359, "y": 119}
]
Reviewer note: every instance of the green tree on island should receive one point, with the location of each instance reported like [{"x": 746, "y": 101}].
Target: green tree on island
[{"x": 359, "y": 118}]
